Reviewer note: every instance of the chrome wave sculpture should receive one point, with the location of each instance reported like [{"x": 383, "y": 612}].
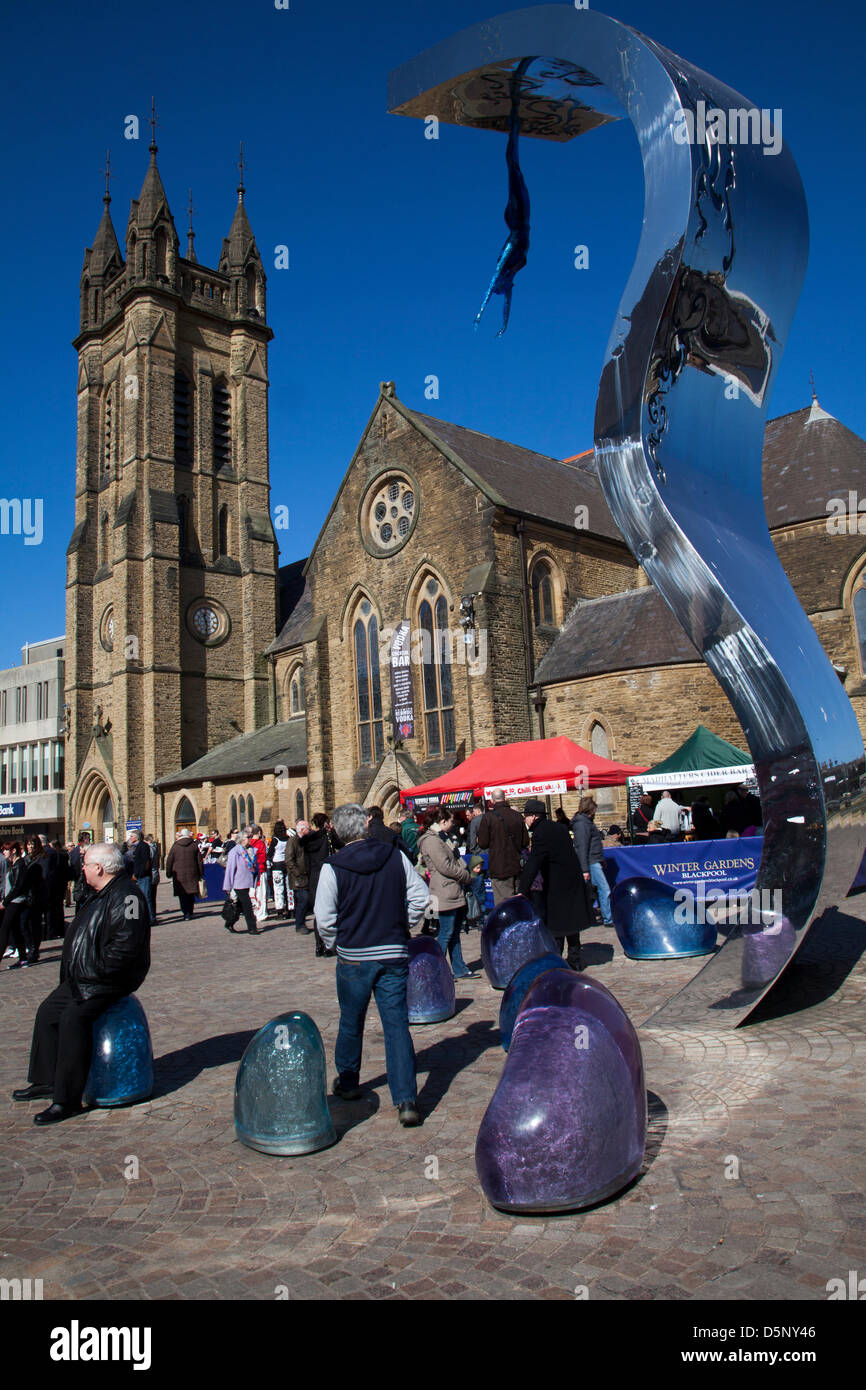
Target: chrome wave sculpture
[{"x": 679, "y": 425}]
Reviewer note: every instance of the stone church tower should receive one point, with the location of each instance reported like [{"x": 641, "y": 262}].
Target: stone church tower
[{"x": 172, "y": 565}]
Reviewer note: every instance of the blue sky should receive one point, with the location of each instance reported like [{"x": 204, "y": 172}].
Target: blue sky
[{"x": 392, "y": 238}]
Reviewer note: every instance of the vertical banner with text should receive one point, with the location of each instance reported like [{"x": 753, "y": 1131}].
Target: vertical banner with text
[{"x": 402, "y": 695}]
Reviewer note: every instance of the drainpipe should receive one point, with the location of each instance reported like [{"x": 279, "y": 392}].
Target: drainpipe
[
  {"x": 520, "y": 529},
  {"x": 274, "y": 719}
]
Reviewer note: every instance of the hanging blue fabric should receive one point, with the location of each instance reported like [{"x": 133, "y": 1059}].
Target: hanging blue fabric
[{"x": 512, "y": 257}]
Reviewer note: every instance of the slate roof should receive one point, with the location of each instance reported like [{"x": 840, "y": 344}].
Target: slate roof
[
  {"x": 278, "y": 745},
  {"x": 504, "y": 470},
  {"x": 619, "y": 632},
  {"x": 296, "y": 607},
  {"x": 809, "y": 457}
]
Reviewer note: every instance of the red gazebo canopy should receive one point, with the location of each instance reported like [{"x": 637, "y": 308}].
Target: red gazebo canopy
[{"x": 554, "y": 760}]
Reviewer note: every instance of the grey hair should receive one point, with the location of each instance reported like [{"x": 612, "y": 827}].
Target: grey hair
[
  {"x": 497, "y": 795},
  {"x": 136, "y": 833},
  {"x": 109, "y": 856},
  {"x": 350, "y": 822}
]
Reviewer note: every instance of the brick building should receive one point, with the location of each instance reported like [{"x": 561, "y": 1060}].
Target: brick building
[{"x": 521, "y": 610}]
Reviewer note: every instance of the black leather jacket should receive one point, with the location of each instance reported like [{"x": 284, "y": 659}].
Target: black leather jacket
[{"x": 107, "y": 947}]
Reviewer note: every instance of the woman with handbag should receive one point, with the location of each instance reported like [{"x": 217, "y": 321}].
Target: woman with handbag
[
  {"x": 239, "y": 878},
  {"x": 185, "y": 868},
  {"x": 448, "y": 877}
]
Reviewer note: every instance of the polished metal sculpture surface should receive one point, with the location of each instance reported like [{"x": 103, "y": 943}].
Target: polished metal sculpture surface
[{"x": 680, "y": 418}]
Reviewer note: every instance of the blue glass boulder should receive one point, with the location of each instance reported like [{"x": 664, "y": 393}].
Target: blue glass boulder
[
  {"x": 566, "y": 1127},
  {"x": 513, "y": 934},
  {"x": 281, "y": 1104},
  {"x": 516, "y": 988},
  {"x": 654, "y": 924},
  {"x": 121, "y": 1068},
  {"x": 430, "y": 993}
]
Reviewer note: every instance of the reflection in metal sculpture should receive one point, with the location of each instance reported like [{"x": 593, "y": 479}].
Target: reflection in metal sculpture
[
  {"x": 680, "y": 423},
  {"x": 512, "y": 257}
]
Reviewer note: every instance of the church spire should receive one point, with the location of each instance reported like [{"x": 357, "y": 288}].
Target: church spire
[
  {"x": 190, "y": 236},
  {"x": 102, "y": 262},
  {"x": 151, "y": 237},
  {"x": 240, "y": 259}
]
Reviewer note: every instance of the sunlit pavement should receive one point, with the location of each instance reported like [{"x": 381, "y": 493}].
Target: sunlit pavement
[{"x": 753, "y": 1182}]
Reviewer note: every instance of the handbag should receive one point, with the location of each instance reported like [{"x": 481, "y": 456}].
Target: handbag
[
  {"x": 202, "y": 888},
  {"x": 231, "y": 911}
]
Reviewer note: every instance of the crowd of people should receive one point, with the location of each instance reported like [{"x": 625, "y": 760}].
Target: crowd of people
[{"x": 365, "y": 885}]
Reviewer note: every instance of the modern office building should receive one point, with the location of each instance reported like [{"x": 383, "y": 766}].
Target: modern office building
[{"x": 33, "y": 742}]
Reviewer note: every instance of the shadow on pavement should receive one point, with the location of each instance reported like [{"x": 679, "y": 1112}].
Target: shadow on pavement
[
  {"x": 832, "y": 949},
  {"x": 174, "y": 1070}
]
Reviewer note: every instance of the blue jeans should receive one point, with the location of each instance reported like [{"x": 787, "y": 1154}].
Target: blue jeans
[
  {"x": 598, "y": 877},
  {"x": 387, "y": 980},
  {"x": 450, "y": 928},
  {"x": 302, "y": 897}
]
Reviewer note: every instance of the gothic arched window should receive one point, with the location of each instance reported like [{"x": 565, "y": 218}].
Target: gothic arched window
[
  {"x": 233, "y": 813},
  {"x": 252, "y": 302},
  {"x": 104, "y": 558},
  {"x": 299, "y": 805},
  {"x": 222, "y": 426},
  {"x": 598, "y": 742},
  {"x": 251, "y": 815},
  {"x": 161, "y": 252},
  {"x": 859, "y": 606},
  {"x": 542, "y": 595},
  {"x": 108, "y": 433},
  {"x": 296, "y": 692},
  {"x": 368, "y": 685},
  {"x": 223, "y": 539},
  {"x": 436, "y": 671},
  {"x": 182, "y": 452}
]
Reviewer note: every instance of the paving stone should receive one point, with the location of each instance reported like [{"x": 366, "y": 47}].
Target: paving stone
[{"x": 208, "y": 1218}]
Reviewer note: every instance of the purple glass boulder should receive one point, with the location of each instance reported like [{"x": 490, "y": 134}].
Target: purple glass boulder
[
  {"x": 767, "y": 947},
  {"x": 430, "y": 993},
  {"x": 655, "y": 922},
  {"x": 513, "y": 934},
  {"x": 515, "y": 991},
  {"x": 566, "y": 1127}
]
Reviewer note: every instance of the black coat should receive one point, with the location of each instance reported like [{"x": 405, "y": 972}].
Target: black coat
[
  {"x": 378, "y": 830},
  {"x": 552, "y": 854},
  {"x": 107, "y": 947}
]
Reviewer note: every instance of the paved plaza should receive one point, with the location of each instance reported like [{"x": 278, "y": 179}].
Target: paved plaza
[{"x": 752, "y": 1185}]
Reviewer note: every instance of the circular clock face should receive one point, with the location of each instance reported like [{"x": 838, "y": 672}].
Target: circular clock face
[
  {"x": 389, "y": 513},
  {"x": 205, "y": 621},
  {"x": 208, "y": 621},
  {"x": 106, "y": 630}
]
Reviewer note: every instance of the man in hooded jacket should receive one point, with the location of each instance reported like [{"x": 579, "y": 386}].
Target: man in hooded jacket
[{"x": 367, "y": 899}]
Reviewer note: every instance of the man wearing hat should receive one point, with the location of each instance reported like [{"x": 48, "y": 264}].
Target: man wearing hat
[{"x": 552, "y": 855}]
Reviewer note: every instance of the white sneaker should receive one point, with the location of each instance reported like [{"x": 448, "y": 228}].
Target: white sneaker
[{"x": 10, "y": 952}]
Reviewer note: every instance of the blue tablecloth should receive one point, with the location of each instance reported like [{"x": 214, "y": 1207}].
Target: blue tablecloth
[{"x": 731, "y": 865}]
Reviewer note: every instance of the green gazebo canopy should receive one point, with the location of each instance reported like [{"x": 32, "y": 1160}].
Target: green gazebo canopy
[{"x": 703, "y": 758}]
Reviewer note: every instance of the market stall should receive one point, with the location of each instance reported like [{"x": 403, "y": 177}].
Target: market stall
[
  {"x": 660, "y": 890},
  {"x": 541, "y": 767}
]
